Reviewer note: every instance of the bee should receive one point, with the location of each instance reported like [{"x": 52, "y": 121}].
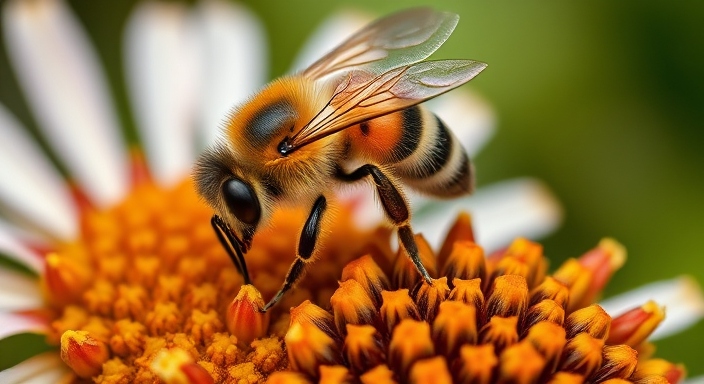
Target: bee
[{"x": 351, "y": 116}]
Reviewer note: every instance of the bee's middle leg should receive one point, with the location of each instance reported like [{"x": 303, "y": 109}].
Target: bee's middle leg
[
  {"x": 396, "y": 209},
  {"x": 304, "y": 253}
]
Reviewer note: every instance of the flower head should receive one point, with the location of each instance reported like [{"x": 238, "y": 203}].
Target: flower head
[{"x": 507, "y": 322}]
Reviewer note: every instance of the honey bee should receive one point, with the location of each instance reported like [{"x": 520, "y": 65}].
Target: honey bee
[{"x": 352, "y": 115}]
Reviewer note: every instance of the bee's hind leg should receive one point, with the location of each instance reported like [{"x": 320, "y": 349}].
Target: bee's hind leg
[
  {"x": 396, "y": 209},
  {"x": 306, "y": 248}
]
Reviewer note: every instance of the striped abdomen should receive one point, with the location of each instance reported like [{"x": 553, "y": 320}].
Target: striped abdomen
[{"x": 419, "y": 148}]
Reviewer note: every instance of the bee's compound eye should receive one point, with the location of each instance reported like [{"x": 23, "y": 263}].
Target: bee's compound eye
[{"x": 241, "y": 201}]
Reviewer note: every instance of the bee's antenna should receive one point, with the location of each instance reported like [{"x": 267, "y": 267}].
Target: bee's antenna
[{"x": 229, "y": 241}]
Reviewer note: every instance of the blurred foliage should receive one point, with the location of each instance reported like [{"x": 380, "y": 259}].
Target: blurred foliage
[
  {"x": 18, "y": 348},
  {"x": 602, "y": 100}
]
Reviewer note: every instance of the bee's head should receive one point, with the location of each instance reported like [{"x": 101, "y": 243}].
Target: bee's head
[{"x": 230, "y": 190}]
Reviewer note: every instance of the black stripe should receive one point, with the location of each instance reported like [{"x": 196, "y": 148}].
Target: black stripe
[
  {"x": 439, "y": 155},
  {"x": 461, "y": 181},
  {"x": 412, "y": 121}
]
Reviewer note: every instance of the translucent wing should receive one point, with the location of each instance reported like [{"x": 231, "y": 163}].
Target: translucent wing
[
  {"x": 362, "y": 96},
  {"x": 400, "y": 39}
]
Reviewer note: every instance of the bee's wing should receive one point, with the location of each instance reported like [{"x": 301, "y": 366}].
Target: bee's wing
[
  {"x": 361, "y": 95},
  {"x": 400, "y": 39}
]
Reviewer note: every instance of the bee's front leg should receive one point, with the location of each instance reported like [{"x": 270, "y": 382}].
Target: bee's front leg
[
  {"x": 304, "y": 253},
  {"x": 232, "y": 245},
  {"x": 396, "y": 209}
]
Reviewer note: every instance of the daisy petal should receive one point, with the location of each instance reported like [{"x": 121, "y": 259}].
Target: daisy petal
[
  {"x": 68, "y": 94},
  {"x": 29, "y": 235},
  {"x": 13, "y": 324},
  {"x": 45, "y": 368},
  {"x": 30, "y": 187},
  {"x": 162, "y": 72},
  {"x": 18, "y": 291},
  {"x": 14, "y": 250},
  {"x": 682, "y": 298},
  {"x": 333, "y": 31},
  {"x": 234, "y": 60},
  {"x": 500, "y": 213}
]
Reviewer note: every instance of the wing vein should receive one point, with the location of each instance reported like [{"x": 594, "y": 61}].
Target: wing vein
[{"x": 385, "y": 72}]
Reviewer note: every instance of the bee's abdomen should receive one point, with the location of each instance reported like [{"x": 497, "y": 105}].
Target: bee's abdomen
[
  {"x": 439, "y": 166},
  {"x": 388, "y": 139},
  {"x": 420, "y": 148}
]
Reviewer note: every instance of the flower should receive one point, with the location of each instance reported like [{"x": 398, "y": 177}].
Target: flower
[
  {"x": 501, "y": 319},
  {"x": 133, "y": 285}
]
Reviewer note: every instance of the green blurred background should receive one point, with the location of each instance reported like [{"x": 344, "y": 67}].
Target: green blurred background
[{"x": 604, "y": 101}]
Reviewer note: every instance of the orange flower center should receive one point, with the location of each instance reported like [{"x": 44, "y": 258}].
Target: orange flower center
[
  {"x": 149, "y": 275},
  {"x": 147, "y": 294}
]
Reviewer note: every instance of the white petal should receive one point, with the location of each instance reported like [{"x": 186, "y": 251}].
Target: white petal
[
  {"x": 13, "y": 324},
  {"x": 469, "y": 117},
  {"x": 500, "y": 213},
  {"x": 682, "y": 298},
  {"x": 235, "y": 62},
  {"x": 30, "y": 187},
  {"x": 161, "y": 59},
  {"x": 46, "y": 368},
  {"x": 27, "y": 235},
  {"x": 60, "y": 75},
  {"x": 13, "y": 249},
  {"x": 18, "y": 292},
  {"x": 333, "y": 31}
]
